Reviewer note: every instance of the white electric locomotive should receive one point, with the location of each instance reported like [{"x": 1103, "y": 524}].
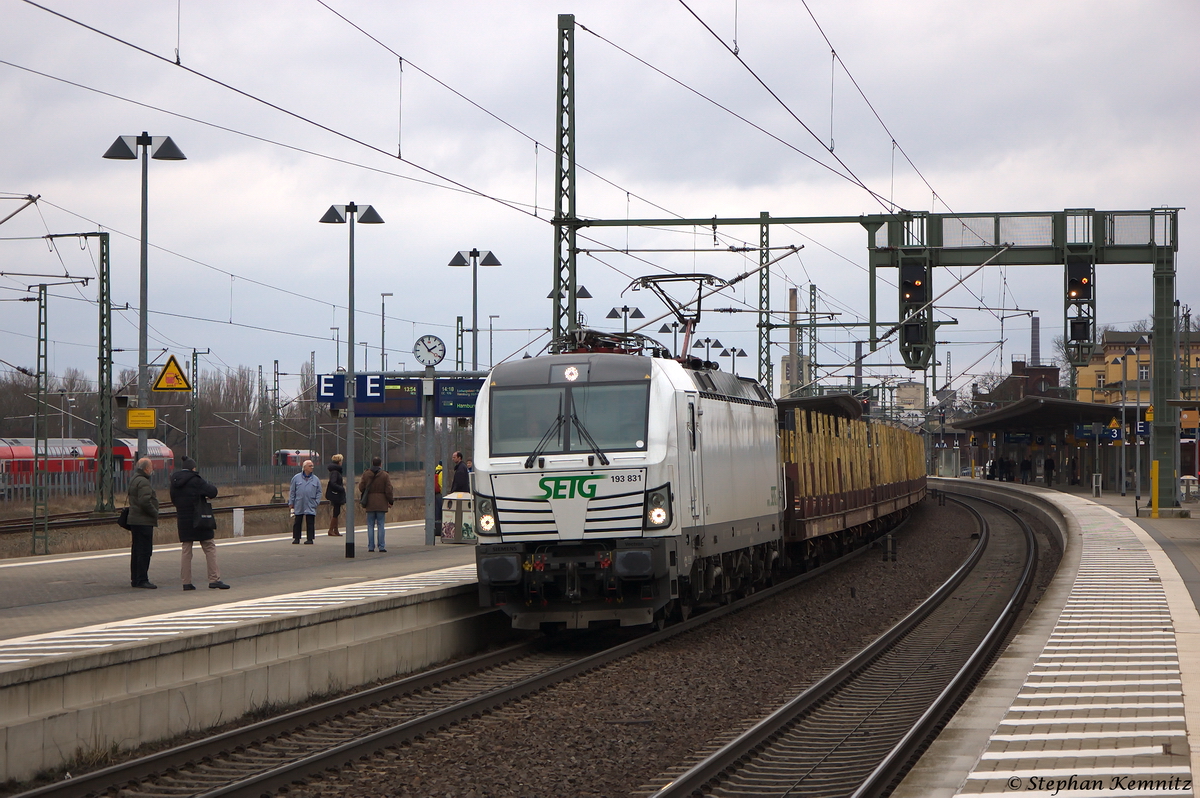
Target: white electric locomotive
[{"x": 622, "y": 486}]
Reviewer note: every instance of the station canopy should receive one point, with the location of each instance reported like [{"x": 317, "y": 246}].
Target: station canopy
[
  {"x": 1039, "y": 414},
  {"x": 843, "y": 405}
]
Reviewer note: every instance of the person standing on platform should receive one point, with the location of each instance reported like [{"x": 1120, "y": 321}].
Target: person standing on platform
[
  {"x": 335, "y": 491},
  {"x": 143, "y": 517},
  {"x": 376, "y": 487},
  {"x": 1026, "y": 470},
  {"x": 461, "y": 482},
  {"x": 304, "y": 495},
  {"x": 437, "y": 496},
  {"x": 187, "y": 489},
  {"x": 1048, "y": 466}
]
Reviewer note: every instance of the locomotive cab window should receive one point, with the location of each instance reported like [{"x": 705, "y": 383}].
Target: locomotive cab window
[{"x": 613, "y": 415}]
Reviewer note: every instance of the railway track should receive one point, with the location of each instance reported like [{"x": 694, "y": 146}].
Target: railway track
[
  {"x": 272, "y": 754},
  {"x": 856, "y": 731}
]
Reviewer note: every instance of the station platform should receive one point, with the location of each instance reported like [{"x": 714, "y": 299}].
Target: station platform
[
  {"x": 1098, "y": 693},
  {"x": 67, "y": 591},
  {"x": 88, "y": 663}
]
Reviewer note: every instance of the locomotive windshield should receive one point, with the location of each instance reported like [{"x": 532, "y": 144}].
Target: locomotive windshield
[{"x": 614, "y": 415}]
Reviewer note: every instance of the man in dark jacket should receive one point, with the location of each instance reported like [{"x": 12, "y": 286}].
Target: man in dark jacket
[
  {"x": 143, "y": 517},
  {"x": 462, "y": 477},
  {"x": 376, "y": 486},
  {"x": 187, "y": 489}
]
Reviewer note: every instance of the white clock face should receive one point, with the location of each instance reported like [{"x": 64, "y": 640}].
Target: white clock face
[{"x": 429, "y": 350}]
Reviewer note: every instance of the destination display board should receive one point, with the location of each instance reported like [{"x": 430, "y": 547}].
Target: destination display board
[{"x": 456, "y": 397}]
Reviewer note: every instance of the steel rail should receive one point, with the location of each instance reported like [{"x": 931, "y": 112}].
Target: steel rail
[
  {"x": 881, "y": 780},
  {"x": 99, "y": 781},
  {"x": 744, "y": 746}
]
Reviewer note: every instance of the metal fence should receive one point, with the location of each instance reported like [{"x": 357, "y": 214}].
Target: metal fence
[{"x": 19, "y": 486}]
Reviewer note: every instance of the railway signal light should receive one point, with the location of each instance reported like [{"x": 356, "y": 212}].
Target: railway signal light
[
  {"x": 1080, "y": 275},
  {"x": 916, "y": 310},
  {"x": 1079, "y": 302},
  {"x": 913, "y": 284}
]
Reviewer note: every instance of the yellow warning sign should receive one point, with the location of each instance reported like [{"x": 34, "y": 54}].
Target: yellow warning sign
[
  {"x": 1150, "y": 413},
  {"x": 142, "y": 418},
  {"x": 171, "y": 378},
  {"x": 1113, "y": 424}
]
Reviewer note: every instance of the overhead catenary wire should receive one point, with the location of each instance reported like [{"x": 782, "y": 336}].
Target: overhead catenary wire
[
  {"x": 849, "y": 173},
  {"x": 456, "y": 186},
  {"x": 850, "y": 177},
  {"x": 512, "y": 204}
]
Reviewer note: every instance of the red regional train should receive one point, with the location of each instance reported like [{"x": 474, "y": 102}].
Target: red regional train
[
  {"x": 78, "y": 455},
  {"x": 296, "y": 457}
]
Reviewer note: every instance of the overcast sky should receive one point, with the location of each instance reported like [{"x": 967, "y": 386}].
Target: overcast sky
[{"x": 1001, "y": 106}]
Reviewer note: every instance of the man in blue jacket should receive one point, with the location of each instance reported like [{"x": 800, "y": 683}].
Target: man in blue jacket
[{"x": 303, "y": 497}]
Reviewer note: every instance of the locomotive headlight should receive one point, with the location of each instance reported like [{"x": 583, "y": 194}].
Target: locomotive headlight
[
  {"x": 658, "y": 508},
  {"x": 486, "y": 510}
]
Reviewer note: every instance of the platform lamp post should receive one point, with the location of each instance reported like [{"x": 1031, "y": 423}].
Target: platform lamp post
[
  {"x": 383, "y": 295},
  {"x": 735, "y": 353},
  {"x": 160, "y": 148},
  {"x": 237, "y": 424},
  {"x": 476, "y": 259},
  {"x": 672, "y": 328},
  {"x": 338, "y": 214},
  {"x": 580, "y": 293},
  {"x": 491, "y": 340},
  {"x": 1137, "y": 442},
  {"x": 707, "y": 344},
  {"x": 626, "y": 313},
  {"x": 1122, "y": 361}
]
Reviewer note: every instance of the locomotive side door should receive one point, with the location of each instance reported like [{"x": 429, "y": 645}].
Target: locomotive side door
[{"x": 689, "y": 460}]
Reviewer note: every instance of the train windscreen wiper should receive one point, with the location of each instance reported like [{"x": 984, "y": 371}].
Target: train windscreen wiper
[
  {"x": 583, "y": 433},
  {"x": 549, "y": 436}
]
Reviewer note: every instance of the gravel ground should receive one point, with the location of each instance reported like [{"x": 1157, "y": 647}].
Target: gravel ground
[{"x": 613, "y": 731}]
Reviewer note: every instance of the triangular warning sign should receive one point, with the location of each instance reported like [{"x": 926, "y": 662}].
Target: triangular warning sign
[{"x": 171, "y": 378}]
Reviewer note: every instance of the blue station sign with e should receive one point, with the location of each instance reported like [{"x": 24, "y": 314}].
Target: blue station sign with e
[{"x": 375, "y": 396}]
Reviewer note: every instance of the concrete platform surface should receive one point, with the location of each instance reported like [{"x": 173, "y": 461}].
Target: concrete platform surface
[{"x": 69, "y": 591}]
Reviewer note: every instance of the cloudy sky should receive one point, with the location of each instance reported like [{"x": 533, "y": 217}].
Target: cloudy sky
[{"x": 284, "y": 108}]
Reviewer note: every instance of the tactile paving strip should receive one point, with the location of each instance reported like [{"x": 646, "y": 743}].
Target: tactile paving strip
[
  {"x": 1101, "y": 712},
  {"x": 22, "y": 651}
]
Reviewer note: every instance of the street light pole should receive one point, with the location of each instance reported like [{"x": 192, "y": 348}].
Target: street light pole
[
  {"x": 160, "y": 148},
  {"x": 627, "y": 313},
  {"x": 476, "y": 259},
  {"x": 672, "y": 328},
  {"x": 238, "y": 425},
  {"x": 338, "y": 214},
  {"x": 707, "y": 345},
  {"x": 491, "y": 340},
  {"x": 383, "y": 368}
]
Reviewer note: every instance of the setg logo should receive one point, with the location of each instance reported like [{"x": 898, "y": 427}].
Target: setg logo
[{"x": 570, "y": 487}]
